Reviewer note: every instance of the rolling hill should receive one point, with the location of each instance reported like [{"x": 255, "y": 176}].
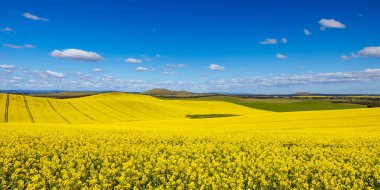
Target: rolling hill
[{"x": 107, "y": 108}]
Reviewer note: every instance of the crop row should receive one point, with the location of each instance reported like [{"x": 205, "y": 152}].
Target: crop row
[{"x": 105, "y": 108}]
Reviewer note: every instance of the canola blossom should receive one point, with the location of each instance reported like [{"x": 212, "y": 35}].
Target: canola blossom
[{"x": 122, "y": 141}]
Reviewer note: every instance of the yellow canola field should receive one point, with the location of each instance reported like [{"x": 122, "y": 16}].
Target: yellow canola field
[
  {"x": 149, "y": 144},
  {"x": 107, "y": 108}
]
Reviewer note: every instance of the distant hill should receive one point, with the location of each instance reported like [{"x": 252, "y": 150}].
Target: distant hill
[
  {"x": 303, "y": 94},
  {"x": 166, "y": 92}
]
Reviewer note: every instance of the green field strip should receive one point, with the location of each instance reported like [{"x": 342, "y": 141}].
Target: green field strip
[
  {"x": 84, "y": 114},
  {"x": 27, "y": 108},
  {"x": 53, "y": 108}
]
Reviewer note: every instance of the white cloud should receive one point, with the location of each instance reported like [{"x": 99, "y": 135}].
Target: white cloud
[
  {"x": 97, "y": 70},
  {"x": 7, "y": 66},
  {"x": 7, "y": 29},
  {"x": 363, "y": 76},
  {"x": 169, "y": 73},
  {"x": 269, "y": 41},
  {"x": 216, "y": 67},
  {"x": 176, "y": 65},
  {"x": 77, "y": 54},
  {"x": 306, "y": 32},
  {"x": 344, "y": 57},
  {"x": 372, "y": 51},
  {"x": 281, "y": 56},
  {"x": 34, "y": 79},
  {"x": 55, "y": 74},
  {"x": 284, "y": 40},
  {"x": 142, "y": 69},
  {"x": 13, "y": 46},
  {"x": 354, "y": 55},
  {"x": 330, "y": 23},
  {"x": 34, "y": 17},
  {"x": 133, "y": 60}
]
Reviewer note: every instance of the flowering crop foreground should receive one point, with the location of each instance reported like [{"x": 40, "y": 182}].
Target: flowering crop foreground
[{"x": 256, "y": 150}]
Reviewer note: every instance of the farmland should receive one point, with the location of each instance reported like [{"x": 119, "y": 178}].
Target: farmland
[
  {"x": 279, "y": 104},
  {"x": 126, "y": 141}
]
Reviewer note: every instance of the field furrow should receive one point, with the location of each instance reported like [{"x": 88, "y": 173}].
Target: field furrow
[
  {"x": 42, "y": 111},
  {"x": 17, "y": 112},
  {"x": 68, "y": 112},
  {"x": 107, "y": 111},
  {"x": 3, "y": 100},
  {"x": 105, "y": 114},
  {"x": 27, "y": 108},
  {"x": 137, "y": 112},
  {"x": 58, "y": 112},
  {"x": 83, "y": 113},
  {"x": 107, "y": 104},
  {"x": 94, "y": 112},
  {"x": 6, "y": 112}
]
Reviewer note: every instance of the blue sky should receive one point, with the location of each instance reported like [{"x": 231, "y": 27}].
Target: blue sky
[{"x": 235, "y": 46}]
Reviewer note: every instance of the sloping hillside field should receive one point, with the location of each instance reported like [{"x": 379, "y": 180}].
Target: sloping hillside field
[{"x": 127, "y": 141}]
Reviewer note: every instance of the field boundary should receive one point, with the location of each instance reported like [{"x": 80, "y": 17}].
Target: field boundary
[
  {"x": 52, "y": 107},
  {"x": 29, "y": 112}
]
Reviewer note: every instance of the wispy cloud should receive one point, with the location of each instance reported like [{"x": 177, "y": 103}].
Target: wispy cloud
[
  {"x": 133, "y": 60},
  {"x": 331, "y": 23},
  {"x": 77, "y": 54},
  {"x": 344, "y": 57},
  {"x": 56, "y": 80},
  {"x": 97, "y": 70},
  {"x": 34, "y": 17},
  {"x": 13, "y": 46},
  {"x": 140, "y": 69},
  {"x": 216, "y": 67},
  {"x": 269, "y": 41},
  {"x": 169, "y": 73},
  {"x": 281, "y": 56},
  {"x": 55, "y": 74},
  {"x": 7, "y": 66},
  {"x": 372, "y": 51},
  {"x": 8, "y": 30},
  {"x": 311, "y": 78},
  {"x": 176, "y": 65},
  {"x": 306, "y": 32}
]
